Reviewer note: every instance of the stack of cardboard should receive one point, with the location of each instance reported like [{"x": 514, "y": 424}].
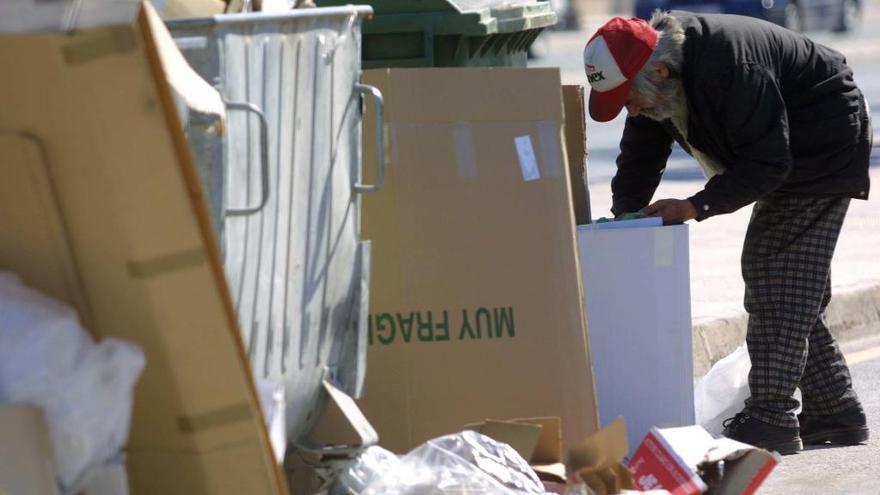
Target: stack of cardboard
[
  {"x": 101, "y": 208},
  {"x": 475, "y": 296}
]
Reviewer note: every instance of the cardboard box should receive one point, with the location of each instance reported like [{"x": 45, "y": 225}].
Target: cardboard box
[
  {"x": 637, "y": 297},
  {"x": 576, "y": 150},
  {"x": 475, "y": 291},
  {"x": 26, "y": 466},
  {"x": 101, "y": 208},
  {"x": 671, "y": 459}
]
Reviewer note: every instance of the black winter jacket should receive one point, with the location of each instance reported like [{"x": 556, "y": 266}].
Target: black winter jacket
[{"x": 780, "y": 112}]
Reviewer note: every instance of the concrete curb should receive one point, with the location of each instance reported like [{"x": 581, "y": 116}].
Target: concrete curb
[{"x": 851, "y": 315}]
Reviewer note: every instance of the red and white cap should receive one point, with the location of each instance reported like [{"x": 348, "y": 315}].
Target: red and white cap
[{"x": 612, "y": 58}]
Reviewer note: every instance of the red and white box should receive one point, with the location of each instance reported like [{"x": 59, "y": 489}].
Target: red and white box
[{"x": 669, "y": 458}]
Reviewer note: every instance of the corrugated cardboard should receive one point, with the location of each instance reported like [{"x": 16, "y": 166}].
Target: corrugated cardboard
[
  {"x": 597, "y": 460},
  {"x": 475, "y": 290},
  {"x": 101, "y": 207},
  {"x": 576, "y": 149},
  {"x": 25, "y": 452},
  {"x": 637, "y": 290}
]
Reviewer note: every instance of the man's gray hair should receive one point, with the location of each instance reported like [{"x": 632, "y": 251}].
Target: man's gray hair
[{"x": 669, "y": 51}]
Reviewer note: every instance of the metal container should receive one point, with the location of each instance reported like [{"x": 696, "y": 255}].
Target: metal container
[{"x": 288, "y": 186}]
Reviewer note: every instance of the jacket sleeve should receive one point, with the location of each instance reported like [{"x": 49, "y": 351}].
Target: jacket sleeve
[
  {"x": 644, "y": 149},
  {"x": 755, "y": 118}
]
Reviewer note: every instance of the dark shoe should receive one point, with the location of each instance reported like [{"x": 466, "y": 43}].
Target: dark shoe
[
  {"x": 849, "y": 427},
  {"x": 746, "y": 429}
]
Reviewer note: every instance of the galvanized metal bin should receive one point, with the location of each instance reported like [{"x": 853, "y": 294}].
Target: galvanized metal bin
[{"x": 289, "y": 191}]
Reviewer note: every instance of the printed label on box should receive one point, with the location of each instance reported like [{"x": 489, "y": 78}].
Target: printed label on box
[{"x": 655, "y": 466}]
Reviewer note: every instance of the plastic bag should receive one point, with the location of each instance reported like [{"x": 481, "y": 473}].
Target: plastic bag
[
  {"x": 365, "y": 469},
  {"x": 722, "y": 393},
  {"x": 272, "y": 399},
  {"x": 465, "y": 463},
  {"x": 85, "y": 389}
]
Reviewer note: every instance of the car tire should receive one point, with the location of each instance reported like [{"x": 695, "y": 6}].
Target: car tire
[
  {"x": 850, "y": 15},
  {"x": 794, "y": 18}
]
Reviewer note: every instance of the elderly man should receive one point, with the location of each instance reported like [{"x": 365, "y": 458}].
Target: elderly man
[{"x": 773, "y": 119}]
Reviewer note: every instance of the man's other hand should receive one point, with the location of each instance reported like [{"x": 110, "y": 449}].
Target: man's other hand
[{"x": 673, "y": 211}]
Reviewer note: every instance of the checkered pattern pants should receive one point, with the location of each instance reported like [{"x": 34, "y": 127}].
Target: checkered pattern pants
[{"x": 786, "y": 265}]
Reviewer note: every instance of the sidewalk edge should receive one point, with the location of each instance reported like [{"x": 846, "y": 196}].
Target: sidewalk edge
[{"x": 850, "y": 316}]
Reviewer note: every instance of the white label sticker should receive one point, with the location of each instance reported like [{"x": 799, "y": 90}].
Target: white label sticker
[{"x": 527, "y": 162}]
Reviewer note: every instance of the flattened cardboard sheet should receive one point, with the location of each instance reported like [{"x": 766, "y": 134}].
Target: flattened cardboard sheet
[
  {"x": 475, "y": 279},
  {"x": 106, "y": 214}
]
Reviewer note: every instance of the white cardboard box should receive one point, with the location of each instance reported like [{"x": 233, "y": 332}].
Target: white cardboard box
[{"x": 637, "y": 290}]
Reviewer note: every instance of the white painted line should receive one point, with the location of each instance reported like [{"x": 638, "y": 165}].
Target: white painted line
[{"x": 862, "y": 356}]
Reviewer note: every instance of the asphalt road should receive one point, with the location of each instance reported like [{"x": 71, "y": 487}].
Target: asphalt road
[{"x": 839, "y": 470}]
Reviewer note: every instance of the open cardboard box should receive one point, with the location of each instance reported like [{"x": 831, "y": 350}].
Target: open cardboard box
[
  {"x": 101, "y": 208},
  {"x": 596, "y": 460},
  {"x": 681, "y": 461},
  {"x": 674, "y": 458}
]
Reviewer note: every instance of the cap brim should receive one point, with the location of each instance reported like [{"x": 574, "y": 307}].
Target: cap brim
[{"x": 606, "y": 105}]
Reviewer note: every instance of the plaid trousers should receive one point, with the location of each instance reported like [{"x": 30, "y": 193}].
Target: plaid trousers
[{"x": 786, "y": 266}]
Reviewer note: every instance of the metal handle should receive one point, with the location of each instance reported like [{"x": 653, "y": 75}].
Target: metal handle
[
  {"x": 380, "y": 138},
  {"x": 264, "y": 157}
]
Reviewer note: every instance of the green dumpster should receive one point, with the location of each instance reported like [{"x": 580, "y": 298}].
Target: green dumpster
[{"x": 450, "y": 33}]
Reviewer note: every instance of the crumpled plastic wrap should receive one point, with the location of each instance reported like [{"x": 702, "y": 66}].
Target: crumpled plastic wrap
[
  {"x": 368, "y": 467},
  {"x": 466, "y": 463},
  {"x": 85, "y": 388}
]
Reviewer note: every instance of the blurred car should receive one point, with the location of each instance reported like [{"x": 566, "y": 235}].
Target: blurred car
[{"x": 797, "y": 15}]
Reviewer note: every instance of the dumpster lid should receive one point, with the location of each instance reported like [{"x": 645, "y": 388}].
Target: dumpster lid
[
  {"x": 248, "y": 17},
  {"x": 436, "y": 6},
  {"x": 471, "y": 17}
]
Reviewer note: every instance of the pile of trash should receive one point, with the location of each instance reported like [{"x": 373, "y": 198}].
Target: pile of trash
[
  {"x": 685, "y": 460},
  {"x": 466, "y": 462}
]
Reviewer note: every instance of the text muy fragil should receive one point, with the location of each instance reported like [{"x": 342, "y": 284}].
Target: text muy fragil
[{"x": 436, "y": 326}]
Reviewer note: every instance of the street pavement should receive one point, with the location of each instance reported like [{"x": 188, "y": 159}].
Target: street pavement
[{"x": 839, "y": 470}]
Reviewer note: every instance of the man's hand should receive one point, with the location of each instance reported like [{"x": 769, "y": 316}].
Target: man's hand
[{"x": 673, "y": 211}]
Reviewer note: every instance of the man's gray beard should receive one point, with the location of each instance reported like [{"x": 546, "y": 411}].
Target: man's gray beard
[{"x": 671, "y": 104}]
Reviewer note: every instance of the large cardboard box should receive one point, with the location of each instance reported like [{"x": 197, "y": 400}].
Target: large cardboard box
[
  {"x": 637, "y": 289},
  {"x": 101, "y": 208},
  {"x": 475, "y": 294}
]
